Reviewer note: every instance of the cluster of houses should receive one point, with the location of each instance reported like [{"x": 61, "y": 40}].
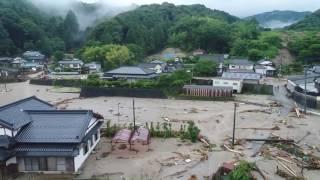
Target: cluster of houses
[
  {"x": 30, "y": 61},
  {"x": 77, "y": 66},
  {"x": 36, "y": 137},
  {"x": 232, "y": 73}
]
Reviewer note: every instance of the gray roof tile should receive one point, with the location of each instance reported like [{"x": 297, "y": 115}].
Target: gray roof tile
[
  {"x": 133, "y": 70},
  {"x": 55, "y": 126},
  {"x": 14, "y": 116},
  {"x": 239, "y": 75},
  {"x": 241, "y": 62}
]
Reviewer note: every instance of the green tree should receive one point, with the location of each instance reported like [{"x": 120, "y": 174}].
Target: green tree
[
  {"x": 110, "y": 55},
  {"x": 6, "y": 45},
  {"x": 58, "y": 56},
  {"x": 240, "y": 47},
  {"x": 205, "y": 68},
  {"x": 117, "y": 55},
  {"x": 71, "y": 30},
  {"x": 255, "y": 54},
  {"x": 137, "y": 52},
  {"x": 207, "y": 33}
]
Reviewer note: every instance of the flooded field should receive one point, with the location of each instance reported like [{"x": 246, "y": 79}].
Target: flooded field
[{"x": 165, "y": 159}]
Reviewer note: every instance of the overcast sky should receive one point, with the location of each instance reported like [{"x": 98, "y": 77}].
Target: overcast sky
[{"x": 236, "y": 7}]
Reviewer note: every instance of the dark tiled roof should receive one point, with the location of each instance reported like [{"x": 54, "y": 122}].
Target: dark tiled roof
[
  {"x": 14, "y": 116},
  {"x": 157, "y": 62},
  {"x": 131, "y": 70},
  {"x": 241, "y": 70},
  {"x": 71, "y": 62},
  {"x": 239, "y": 75},
  {"x": 32, "y": 54},
  {"x": 241, "y": 61},
  {"x": 55, "y": 126},
  {"x": 45, "y": 150},
  {"x": 148, "y": 65}
]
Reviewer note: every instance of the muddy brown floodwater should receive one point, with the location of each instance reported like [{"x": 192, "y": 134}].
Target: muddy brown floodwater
[{"x": 166, "y": 158}]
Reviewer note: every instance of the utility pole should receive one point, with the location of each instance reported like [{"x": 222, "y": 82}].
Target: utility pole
[
  {"x": 134, "y": 116},
  {"x": 305, "y": 86},
  {"x": 5, "y": 74},
  {"x": 118, "y": 112},
  {"x": 234, "y": 123}
]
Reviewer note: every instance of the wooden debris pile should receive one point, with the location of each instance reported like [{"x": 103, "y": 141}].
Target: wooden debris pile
[
  {"x": 267, "y": 111},
  {"x": 275, "y": 104}
]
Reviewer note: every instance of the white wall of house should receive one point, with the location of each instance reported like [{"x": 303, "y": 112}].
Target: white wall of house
[
  {"x": 12, "y": 160},
  {"x": 81, "y": 157},
  {"x": 5, "y": 131},
  {"x": 158, "y": 69},
  {"x": 261, "y": 71},
  {"x": 238, "y": 66},
  {"x": 234, "y": 83}
]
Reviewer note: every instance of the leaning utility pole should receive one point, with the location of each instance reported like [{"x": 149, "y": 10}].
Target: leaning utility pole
[
  {"x": 234, "y": 122},
  {"x": 134, "y": 116}
]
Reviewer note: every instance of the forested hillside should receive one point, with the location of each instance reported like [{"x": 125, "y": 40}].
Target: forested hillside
[
  {"x": 24, "y": 27},
  {"x": 128, "y": 37},
  {"x": 310, "y": 22},
  {"x": 150, "y": 26}
]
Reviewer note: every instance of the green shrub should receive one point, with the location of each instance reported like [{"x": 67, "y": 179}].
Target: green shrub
[{"x": 242, "y": 171}]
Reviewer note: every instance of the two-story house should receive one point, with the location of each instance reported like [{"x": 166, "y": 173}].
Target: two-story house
[
  {"x": 35, "y": 137},
  {"x": 71, "y": 64}
]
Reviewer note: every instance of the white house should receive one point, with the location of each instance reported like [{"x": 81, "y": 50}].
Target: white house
[
  {"x": 156, "y": 67},
  {"x": 265, "y": 62},
  {"x": 267, "y": 71},
  {"x": 74, "y": 64},
  {"x": 236, "y": 84},
  {"x": 93, "y": 67}
]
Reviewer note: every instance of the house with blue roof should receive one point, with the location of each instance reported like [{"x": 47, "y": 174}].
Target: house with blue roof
[{"x": 36, "y": 137}]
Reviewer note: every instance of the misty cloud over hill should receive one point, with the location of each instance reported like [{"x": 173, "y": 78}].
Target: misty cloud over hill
[
  {"x": 279, "y": 19},
  {"x": 88, "y": 14}
]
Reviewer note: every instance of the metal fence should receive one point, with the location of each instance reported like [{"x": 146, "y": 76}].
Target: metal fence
[
  {"x": 311, "y": 100},
  {"x": 57, "y": 82},
  {"x": 121, "y": 92},
  {"x": 257, "y": 89}
]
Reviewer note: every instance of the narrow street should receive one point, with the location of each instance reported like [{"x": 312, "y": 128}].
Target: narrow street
[{"x": 281, "y": 95}]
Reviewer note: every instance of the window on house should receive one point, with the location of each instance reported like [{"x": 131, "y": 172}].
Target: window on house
[
  {"x": 225, "y": 83},
  {"x": 28, "y": 164},
  {"x": 61, "y": 164},
  {"x": 235, "y": 84},
  {"x": 96, "y": 136},
  {"x": 31, "y": 164},
  {"x": 85, "y": 149},
  {"x": 43, "y": 164},
  {"x": 90, "y": 143}
]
